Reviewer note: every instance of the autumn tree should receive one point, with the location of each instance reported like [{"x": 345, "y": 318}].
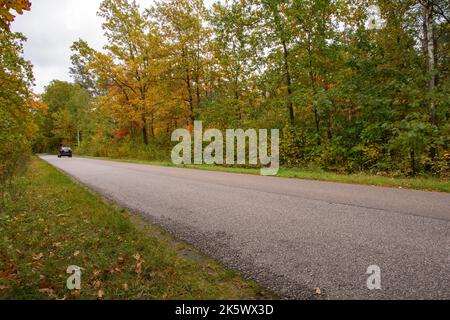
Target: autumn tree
[
  {"x": 354, "y": 84},
  {"x": 128, "y": 70},
  {"x": 280, "y": 40},
  {"x": 6, "y": 9},
  {"x": 184, "y": 32},
  {"x": 236, "y": 51},
  {"x": 65, "y": 115},
  {"x": 16, "y": 124}
]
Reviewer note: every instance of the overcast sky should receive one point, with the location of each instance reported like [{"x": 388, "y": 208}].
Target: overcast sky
[{"x": 51, "y": 27}]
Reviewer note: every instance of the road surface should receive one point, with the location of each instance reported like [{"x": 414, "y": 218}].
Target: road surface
[{"x": 291, "y": 236}]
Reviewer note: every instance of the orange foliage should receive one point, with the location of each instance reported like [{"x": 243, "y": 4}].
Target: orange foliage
[
  {"x": 122, "y": 133},
  {"x": 34, "y": 103}
]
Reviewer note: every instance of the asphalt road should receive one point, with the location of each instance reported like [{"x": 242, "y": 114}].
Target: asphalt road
[{"x": 289, "y": 235}]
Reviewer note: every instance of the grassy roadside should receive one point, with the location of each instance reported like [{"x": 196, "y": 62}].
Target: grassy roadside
[
  {"x": 418, "y": 183},
  {"x": 53, "y": 223}
]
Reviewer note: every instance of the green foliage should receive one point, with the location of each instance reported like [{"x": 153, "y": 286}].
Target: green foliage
[
  {"x": 65, "y": 118},
  {"x": 16, "y": 125},
  {"x": 292, "y": 151},
  {"x": 410, "y": 147},
  {"x": 127, "y": 148},
  {"x": 348, "y": 98}
]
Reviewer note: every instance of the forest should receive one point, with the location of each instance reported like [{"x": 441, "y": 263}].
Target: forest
[{"x": 353, "y": 85}]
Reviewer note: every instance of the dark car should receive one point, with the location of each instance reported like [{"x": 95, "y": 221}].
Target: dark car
[{"x": 65, "y": 152}]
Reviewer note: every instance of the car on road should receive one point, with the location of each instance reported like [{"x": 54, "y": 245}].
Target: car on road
[{"x": 65, "y": 152}]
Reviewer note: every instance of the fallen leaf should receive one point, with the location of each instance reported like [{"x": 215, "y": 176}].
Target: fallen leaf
[
  {"x": 76, "y": 253},
  {"x": 125, "y": 286},
  {"x": 3, "y": 287},
  {"x": 48, "y": 291},
  {"x": 95, "y": 273},
  {"x": 138, "y": 268},
  {"x": 137, "y": 257},
  {"x": 97, "y": 284},
  {"x": 317, "y": 291},
  {"x": 38, "y": 257},
  {"x": 100, "y": 294},
  {"x": 5, "y": 275},
  {"x": 74, "y": 294},
  {"x": 44, "y": 283}
]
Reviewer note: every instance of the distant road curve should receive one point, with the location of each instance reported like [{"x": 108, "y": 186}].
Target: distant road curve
[{"x": 292, "y": 236}]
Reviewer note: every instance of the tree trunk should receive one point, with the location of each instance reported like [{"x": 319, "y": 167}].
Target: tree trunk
[
  {"x": 413, "y": 162},
  {"x": 288, "y": 82},
  {"x": 197, "y": 83},
  {"x": 237, "y": 98},
  {"x": 190, "y": 96},
  {"x": 313, "y": 87},
  {"x": 152, "y": 124},
  {"x": 317, "y": 121},
  {"x": 430, "y": 51},
  {"x": 197, "y": 74},
  {"x": 144, "y": 130}
]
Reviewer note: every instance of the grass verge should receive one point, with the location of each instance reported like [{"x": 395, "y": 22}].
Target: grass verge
[
  {"x": 426, "y": 183},
  {"x": 53, "y": 223}
]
